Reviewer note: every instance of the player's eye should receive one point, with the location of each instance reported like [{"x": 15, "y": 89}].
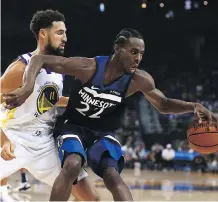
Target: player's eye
[
  {"x": 134, "y": 52},
  {"x": 60, "y": 32}
]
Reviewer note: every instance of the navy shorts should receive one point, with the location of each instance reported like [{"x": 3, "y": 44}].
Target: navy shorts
[{"x": 99, "y": 149}]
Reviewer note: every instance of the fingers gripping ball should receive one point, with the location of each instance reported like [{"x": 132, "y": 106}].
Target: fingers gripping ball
[{"x": 202, "y": 138}]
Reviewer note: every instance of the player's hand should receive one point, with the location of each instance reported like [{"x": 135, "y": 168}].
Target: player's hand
[
  {"x": 202, "y": 112},
  {"x": 17, "y": 97},
  {"x": 7, "y": 152}
]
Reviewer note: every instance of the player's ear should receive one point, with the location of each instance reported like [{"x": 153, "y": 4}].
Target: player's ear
[
  {"x": 116, "y": 48},
  {"x": 42, "y": 33}
]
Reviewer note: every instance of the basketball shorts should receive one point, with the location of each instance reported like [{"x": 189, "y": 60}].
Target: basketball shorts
[
  {"x": 39, "y": 156},
  {"x": 99, "y": 149}
]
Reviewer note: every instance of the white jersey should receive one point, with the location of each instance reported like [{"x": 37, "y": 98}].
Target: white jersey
[
  {"x": 39, "y": 110},
  {"x": 29, "y": 128}
]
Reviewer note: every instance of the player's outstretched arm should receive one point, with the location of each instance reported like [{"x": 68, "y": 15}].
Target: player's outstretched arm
[
  {"x": 167, "y": 105},
  {"x": 75, "y": 66}
]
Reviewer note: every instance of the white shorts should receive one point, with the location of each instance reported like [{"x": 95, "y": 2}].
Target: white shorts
[{"x": 39, "y": 157}]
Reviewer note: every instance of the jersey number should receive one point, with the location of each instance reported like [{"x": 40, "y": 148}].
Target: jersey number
[{"x": 86, "y": 108}]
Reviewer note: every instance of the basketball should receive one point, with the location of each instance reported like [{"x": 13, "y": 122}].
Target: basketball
[{"x": 202, "y": 138}]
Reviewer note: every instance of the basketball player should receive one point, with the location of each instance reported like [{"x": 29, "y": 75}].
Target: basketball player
[
  {"x": 27, "y": 130},
  {"x": 95, "y": 109}
]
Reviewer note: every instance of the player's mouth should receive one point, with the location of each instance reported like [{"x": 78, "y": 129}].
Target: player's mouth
[
  {"x": 62, "y": 45},
  {"x": 133, "y": 68}
]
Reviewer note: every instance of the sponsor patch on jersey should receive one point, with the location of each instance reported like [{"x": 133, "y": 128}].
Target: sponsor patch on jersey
[{"x": 47, "y": 98}]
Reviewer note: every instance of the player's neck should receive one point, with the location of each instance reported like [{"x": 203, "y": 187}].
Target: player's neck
[
  {"x": 113, "y": 70},
  {"x": 114, "y": 66},
  {"x": 39, "y": 51}
]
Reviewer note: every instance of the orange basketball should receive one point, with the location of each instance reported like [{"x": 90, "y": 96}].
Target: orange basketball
[{"x": 202, "y": 138}]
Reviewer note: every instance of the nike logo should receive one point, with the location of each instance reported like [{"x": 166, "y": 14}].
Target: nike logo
[{"x": 94, "y": 88}]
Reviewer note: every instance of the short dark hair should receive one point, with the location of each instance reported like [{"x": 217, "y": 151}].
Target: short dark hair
[
  {"x": 125, "y": 34},
  {"x": 44, "y": 19}
]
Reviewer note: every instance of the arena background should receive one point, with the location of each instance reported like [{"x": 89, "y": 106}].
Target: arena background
[{"x": 180, "y": 53}]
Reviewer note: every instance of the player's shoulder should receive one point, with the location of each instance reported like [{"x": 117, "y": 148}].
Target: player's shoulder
[
  {"x": 12, "y": 77},
  {"x": 143, "y": 81},
  {"x": 16, "y": 66},
  {"x": 18, "y": 63},
  {"x": 21, "y": 61},
  {"x": 141, "y": 74}
]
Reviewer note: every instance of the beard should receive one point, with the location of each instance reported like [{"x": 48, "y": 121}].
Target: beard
[{"x": 50, "y": 50}]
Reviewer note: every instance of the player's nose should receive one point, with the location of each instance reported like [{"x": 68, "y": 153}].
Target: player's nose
[
  {"x": 64, "y": 38},
  {"x": 138, "y": 58}
]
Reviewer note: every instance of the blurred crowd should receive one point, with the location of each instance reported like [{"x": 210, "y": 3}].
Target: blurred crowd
[{"x": 165, "y": 158}]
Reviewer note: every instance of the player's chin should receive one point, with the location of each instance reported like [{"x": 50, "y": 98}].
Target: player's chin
[
  {"x": 128, "y": 70},
  {"x": 61, "y": 51}
]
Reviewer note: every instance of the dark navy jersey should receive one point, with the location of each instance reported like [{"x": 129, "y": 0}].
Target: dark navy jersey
[{"x": 97, "y": 106}]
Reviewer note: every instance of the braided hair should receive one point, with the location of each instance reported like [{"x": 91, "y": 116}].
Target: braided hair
[{"x": 125, "y": 34}]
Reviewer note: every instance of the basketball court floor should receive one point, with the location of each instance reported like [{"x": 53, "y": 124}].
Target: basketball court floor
[{"x": 149, "y": 186}]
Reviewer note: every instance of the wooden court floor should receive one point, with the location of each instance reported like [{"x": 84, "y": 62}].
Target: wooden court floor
[{"x": 149, "y": 186}]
